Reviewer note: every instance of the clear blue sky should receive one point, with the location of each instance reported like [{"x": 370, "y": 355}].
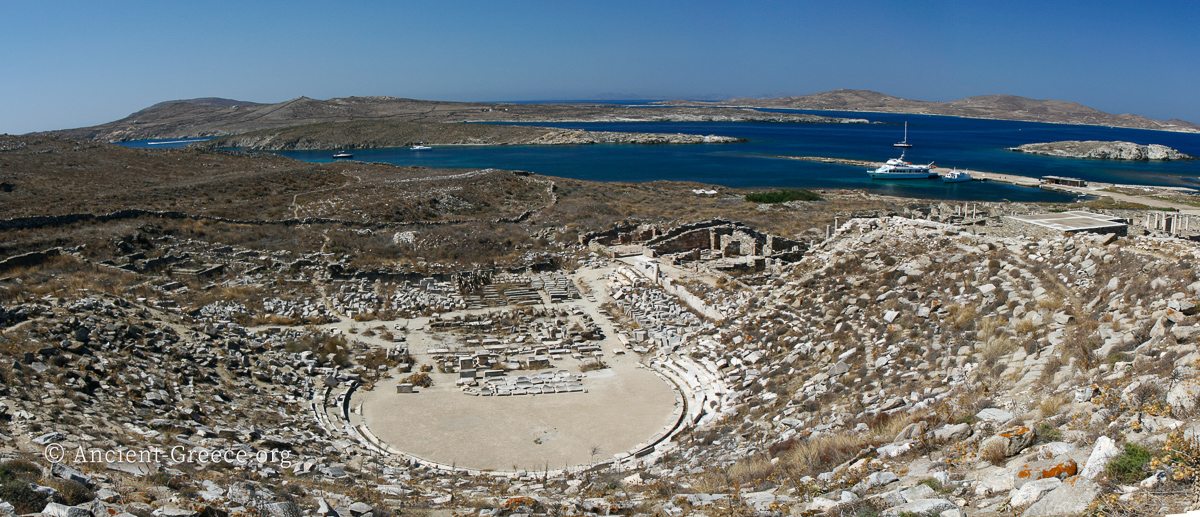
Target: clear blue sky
[{"x": 72, "y": 64}]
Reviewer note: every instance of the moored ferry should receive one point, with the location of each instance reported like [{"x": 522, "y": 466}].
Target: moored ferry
[{"x": 898, "y": 169}]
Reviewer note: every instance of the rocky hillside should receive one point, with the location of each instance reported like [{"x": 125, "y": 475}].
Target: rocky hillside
[
  {"x": 375, "y": 134},
  {"x": 1103, "y": 150},
  {"x": 904, "y": 367},
  {"x": 1001, "y": 107},
  {"x": 190, "y": 119}
]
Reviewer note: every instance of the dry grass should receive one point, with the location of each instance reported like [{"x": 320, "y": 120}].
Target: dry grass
[
  {"x": 960, "y": 317},
  {"x": 60, "y": 276},
  {"x": 1080, "y": 341},
  {"x": 799, "y": 458},
  {"x": 994, "y": 452},
  {"x": 1049, "y": 405}
]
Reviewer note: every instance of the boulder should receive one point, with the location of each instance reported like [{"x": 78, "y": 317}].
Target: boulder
[
  {"x": 175, "y": 511},
  {"x": 1104, "y": 450},
  {"x": 952, "y": 432},
  {"x": 1019, "y": 437},
  {"x": 323, "y": 508},
  {"x": 874, "y": 480},
  {"x": 64, "y": 472},
  {"x": 282, "y": 509},
  {"x": 1183, "y": 398},
  {"x": 62, "y": 510},
  {"x": 824, "y": 502},
  {"x": 917, "y": 492},
  {"x": 759, "y": 501},
  {"x": 1044, "y": 470},
  {"x": 996, "y": 415},
  {"x": 920, "y": 507},
  {"x": 1072, "y": 497},
  {"x": 1050, "y": 450},
  {"x": 1032, "y": 491}
]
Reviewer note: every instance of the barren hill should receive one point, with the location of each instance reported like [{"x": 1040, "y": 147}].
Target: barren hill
[
  {"x": 1001, "y": 107},
  {"x": 193, "y": 119},
  {"x": 375, "y": 134}
]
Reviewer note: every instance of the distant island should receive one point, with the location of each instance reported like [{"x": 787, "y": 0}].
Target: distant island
[
  {"x": 1095, "y": 149},
  {"x": 378, "y": 134},
  {"x": 214, "y": 117},
  {"x": 998, "y": 107}
]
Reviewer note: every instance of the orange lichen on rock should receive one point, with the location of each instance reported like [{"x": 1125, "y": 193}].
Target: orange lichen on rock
[{"x": 1043, "y": 470}]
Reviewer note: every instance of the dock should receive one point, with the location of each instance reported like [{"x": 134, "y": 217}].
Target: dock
[{"x": 1090, "y": 189}]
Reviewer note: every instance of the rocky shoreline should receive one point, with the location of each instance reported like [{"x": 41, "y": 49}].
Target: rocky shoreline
[
  {"x": 1098, "y": 150},
  {"x": 382, "y": 136},
  {"x": 208, "y": 118}
]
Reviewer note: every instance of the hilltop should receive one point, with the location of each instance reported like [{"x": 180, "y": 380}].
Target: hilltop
[{"x": 999, "y": 107}]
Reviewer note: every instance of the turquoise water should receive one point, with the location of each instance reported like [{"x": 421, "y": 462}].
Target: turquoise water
[{"x": 946, "y": 141}]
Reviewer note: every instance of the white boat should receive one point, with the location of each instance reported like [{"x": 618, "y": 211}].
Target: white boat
[
  {"x": 898, "y": 169},
  {"x": 903, "y": 143},
  {"x": 956, "y": 176},
  {"x": 420, "y": 146},
  {"x": 342, "y": 154}
]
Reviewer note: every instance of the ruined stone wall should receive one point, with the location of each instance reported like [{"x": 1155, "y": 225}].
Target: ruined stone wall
[
  {"x": 776, "y": 244},
  {"x": 28, "y": 259},
  {"x": 695, "y": 239},
  {"x": 50, "y": 221}
]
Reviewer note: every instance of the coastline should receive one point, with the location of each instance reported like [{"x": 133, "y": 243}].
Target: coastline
[
  {"x": 1186, "y": 131},
  {"x": 1096, "y": 189}
]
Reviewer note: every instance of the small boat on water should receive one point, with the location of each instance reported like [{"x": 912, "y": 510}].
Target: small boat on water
[
  {"x": 342, "y": 155},
  {"x": 903, "y": 143},
  {"x": 420, "y": 146},
  {"x": 898, "y": 169},
  {"x": 956, "y": 176}
]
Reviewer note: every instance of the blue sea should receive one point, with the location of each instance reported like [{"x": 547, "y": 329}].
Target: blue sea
[{"x": 947, "y": 141}]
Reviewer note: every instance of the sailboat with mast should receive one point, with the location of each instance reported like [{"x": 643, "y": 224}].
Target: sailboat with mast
[
  {"x": 420, "y": 145},
  {"x": 903, "y": 143}
]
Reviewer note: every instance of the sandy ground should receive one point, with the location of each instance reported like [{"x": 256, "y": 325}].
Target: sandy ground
[{"x": 625, "y": 406}]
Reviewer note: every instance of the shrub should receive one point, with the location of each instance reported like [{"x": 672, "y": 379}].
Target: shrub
[
  {"x": 1046, "y": 432},
  {"x": 71, "y": 492},
  {"x": 932, "y": 483},
  {"x": 22, "y": 470},
  {"x": 420, "y": 380},
  {"x": 22, "y": 497},
  {"x": 1127, "y": 466},
  {"x": 780, "y": 196},
  {"x": 994, "y": 452},
  {"x": 594, "y": 365}
]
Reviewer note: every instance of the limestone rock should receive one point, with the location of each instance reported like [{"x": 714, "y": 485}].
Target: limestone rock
[
  {"x": 952, "y": 432},
  {"x": 1045, "y": 469},
  {"x": 1072, "y": 497},
  {"x": 824, "y": 502},
  {"x": 62, "y": 510},
  {"x": 1032, "y": 491},
  {"x": 920, "y": 507},
  {"x": 996, "y": 415},
  {"x": 1104, "y": 450},
  {"x": 282, "y": 509},
  {"x": 917, "y": 492},
  {"x": 1184, "y": 397}
]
